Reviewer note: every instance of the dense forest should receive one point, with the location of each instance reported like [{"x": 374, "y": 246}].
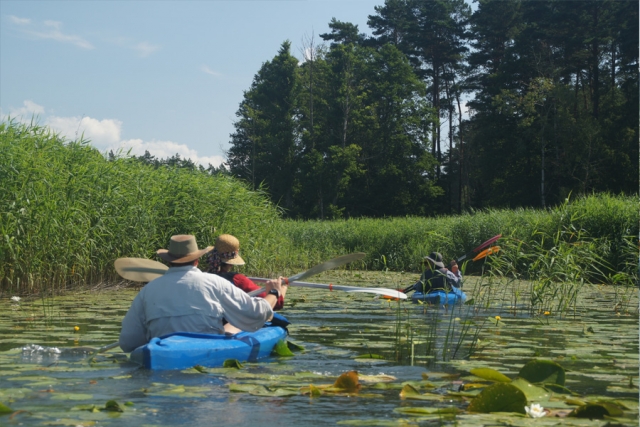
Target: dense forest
[{"x": 446, "y": 108}]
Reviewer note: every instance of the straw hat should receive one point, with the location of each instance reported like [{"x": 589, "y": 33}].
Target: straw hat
[
  {"x": 228, "y": 249},
  {"x": 182, "y": 249},
  {"x": 435, "y": 258}
]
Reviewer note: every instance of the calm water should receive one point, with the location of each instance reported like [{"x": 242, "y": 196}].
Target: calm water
[{"x": 598, "y": 346}]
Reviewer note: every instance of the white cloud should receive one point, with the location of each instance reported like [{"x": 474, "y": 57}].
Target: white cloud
[
  {"x": 105, "y": 135},
  {"x": 145, "y": 48},
  {"x": 49, "y": 30},
  {"x": 19, "y": 21},
  {"x": 28, "y": 110},
  {"x": 210, "y": 71},
  {"x": 164, "y": 149},
  {"x": 55, "y": 24},
  {"x": 102, "y": 133}
]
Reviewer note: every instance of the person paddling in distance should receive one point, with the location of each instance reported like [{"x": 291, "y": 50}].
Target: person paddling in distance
[
  {"x": 224, "y": 256},
  {"x": 186, "y": 299},
  {"x": 435, "y": 276},
  {"x": 455, "y": 274}
]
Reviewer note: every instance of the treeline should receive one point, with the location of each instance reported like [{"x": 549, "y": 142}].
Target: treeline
[{"x": 376, "y": 126}]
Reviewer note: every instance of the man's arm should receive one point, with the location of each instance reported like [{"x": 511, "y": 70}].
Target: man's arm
[{"x": 134, "y": 332}]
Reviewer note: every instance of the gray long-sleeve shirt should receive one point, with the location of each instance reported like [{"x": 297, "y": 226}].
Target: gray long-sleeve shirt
[{"x": 187, "y": 300}]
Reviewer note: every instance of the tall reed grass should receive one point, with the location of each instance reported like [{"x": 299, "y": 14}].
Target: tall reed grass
[
  {"x": 66, "y": 212},
  {"x": 607, "y": 224}
]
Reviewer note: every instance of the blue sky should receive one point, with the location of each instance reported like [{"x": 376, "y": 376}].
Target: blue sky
[{"x": 163, "y": 76}]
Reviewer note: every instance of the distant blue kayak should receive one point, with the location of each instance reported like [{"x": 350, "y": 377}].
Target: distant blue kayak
[
  {"x": 183, "y": 350},
  {"x": 455, "y": 296}
]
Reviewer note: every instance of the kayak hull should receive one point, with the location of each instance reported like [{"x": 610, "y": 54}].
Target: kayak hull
[
  {"x": 184, "y": 350},
  {"x": 455, "y": 296}
]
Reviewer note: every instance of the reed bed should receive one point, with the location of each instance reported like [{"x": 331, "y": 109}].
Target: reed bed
[
  {"x": 66, "y": 212},
  {"x": 606, "y": 225}
]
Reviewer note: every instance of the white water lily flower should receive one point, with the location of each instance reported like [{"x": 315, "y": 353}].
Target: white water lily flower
[
  {"x": 535, "y": 410},
  {"x": 16, "y": 299}
]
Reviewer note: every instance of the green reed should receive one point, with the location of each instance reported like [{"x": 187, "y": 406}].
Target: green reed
[{"x": 66, "y": 212}]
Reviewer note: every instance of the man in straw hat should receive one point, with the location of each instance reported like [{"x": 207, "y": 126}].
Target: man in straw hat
[
  {"x": 435, "y": 276},
  {"x": 186, "y": 299},
  {"x": 224, "y": 256}
]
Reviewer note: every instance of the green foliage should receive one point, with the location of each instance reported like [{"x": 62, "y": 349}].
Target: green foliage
[
  {"x": 589, "y": 238},
  {"x": 66, "y": 212}
]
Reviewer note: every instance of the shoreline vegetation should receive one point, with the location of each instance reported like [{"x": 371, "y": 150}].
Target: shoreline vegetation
[{"x": 67, "y": 212}]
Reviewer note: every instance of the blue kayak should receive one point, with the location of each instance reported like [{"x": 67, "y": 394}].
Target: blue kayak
[
  {"x": 454, "y": 296},
  {"x": 183, "y": 350}
]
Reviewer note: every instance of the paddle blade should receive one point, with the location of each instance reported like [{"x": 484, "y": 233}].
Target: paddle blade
[
  {"x": 487, "y": 243},
  {"x": 487, "y": 252},
  {"x": 139, "y": 269},
  {"x": 328, "y": 265}
]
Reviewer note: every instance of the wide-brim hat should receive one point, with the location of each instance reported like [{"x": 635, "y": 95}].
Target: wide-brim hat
[
  {"x": 183, "y": 248},
  {"x": 228, "y": 248},
  {"x": 435, "y": 258}
]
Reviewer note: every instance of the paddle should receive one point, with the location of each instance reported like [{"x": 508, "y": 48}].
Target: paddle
[
  {"x": 145, "y": 270},
  {"x": 102, "y": 350},
  {"x": 479, "y": 248},
  {"x": 330, "y": 287}
]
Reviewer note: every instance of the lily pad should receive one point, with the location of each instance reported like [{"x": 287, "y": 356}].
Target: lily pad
[
  {"x": 490, "y": 374},
  {"x": 282, "y": 349},
  {"x": 232, "y": 363},
  {"x": 4, "y": 409},
  {"x": 543, "y": 371},
  {"x": 597, "y": 411},
  {"x": 499, "y": 397}
]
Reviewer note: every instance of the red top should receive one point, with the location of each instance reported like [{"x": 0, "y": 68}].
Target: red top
[{"x": 244, "y": 283}]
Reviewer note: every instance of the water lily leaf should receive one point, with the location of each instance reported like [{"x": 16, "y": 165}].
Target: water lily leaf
[
  {"x": 470, "y": 393},
  {"x": 427, "y": 411},
  {"x": 294, "y": 347},
  {"x": 88, "y": 407},
  {"x": 370, "y": 356},
  {"x": 376, "y": 378},
  {"x": 69, "y": 422},
  {"x": 411, "y": 393},
  {"x": 232, "y": 363},
  {"x": 499, "y": 397},
  {"x": 490, "y": 374},
  {"x": 241, "y": 388},
  {"x": 282, "y": 349},
  {"x": 597, "y": 411},
  {"x": 71, "y": 396},
  {"x": 348, "y": 382},
  {"x": 543, "y": 371},
  {"x": 533, "y": 393},
  {"x": 112, "y": 406},
  {"x": 373, "y": 423},
  {"x": 314, "y": 391},
  {"x": 4, "y": 409},
  {"x": 471, "y": 386},
  {"x": 408, "y": 391}
]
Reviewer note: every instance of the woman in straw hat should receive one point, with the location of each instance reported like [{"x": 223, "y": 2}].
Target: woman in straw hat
[
  {"x": 224, "y": 256},
  {"x": 186, "y": 299}
]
